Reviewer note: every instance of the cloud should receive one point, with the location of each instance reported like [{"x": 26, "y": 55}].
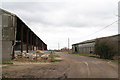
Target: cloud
[
  {"x": 56, "y": 20},
  {"x": 72, "y": 14}
]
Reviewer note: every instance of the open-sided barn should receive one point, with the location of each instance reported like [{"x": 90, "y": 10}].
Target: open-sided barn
[{"x": 16, "y": 35}]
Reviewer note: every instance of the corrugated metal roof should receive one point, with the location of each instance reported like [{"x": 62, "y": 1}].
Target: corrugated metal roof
[
  {"x": 88, "y": 41},
  {"x": 4, "y": 11},
  {"x": 93, "y": 40}
]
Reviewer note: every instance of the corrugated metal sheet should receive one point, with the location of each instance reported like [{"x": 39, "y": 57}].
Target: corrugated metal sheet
[{"x": 8, "y": 29}]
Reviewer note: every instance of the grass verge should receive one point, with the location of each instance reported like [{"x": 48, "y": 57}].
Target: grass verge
[
  {"x": 92, "y": 55},
  {"x": 55, "y": 60},
  {"x": 117, "y": 61},
  {"x": 6, "y": 63},
  {"x": 56, "y": 55},
  {"x": 84, "y": 54}
]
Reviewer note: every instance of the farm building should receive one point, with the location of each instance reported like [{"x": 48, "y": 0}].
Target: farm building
[
  {"x": 84, "y": 47},
  {"x": 89, "y": 45},
  {"x": 15, "y": 35}
]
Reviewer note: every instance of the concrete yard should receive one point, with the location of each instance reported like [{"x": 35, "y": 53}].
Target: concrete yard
[{"x": 72, "y": 66}]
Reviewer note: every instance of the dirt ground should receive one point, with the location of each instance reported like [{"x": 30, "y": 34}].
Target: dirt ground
[{"x": 72, "y": 66}]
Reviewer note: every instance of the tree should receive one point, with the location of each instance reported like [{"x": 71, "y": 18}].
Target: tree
[{"x": 104, "y": 49}]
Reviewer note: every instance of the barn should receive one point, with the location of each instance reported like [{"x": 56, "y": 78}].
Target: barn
[
  {"x": 89, "y": 45},
  {"x": 15, "y": 35},
  {"x": 84, "y": 47}
]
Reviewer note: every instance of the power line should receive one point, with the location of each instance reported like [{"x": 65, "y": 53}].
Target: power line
[{"x": 103, "y": 28}]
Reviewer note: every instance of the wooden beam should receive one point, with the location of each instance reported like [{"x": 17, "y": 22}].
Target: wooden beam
[
  {"x": 30, "y": 40},
  {"x": 27, "y": 34},
  {"x": 22, "y": 38}
]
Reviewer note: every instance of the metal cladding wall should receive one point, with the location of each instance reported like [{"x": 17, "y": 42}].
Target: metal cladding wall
[
  {"x": 8, "y": 34},
  {"x": 84, "y": 47},
  {"x": 16, "y": 35},
  {"x": 87, "y": 48},
  {"x": 0, "y": 38}
]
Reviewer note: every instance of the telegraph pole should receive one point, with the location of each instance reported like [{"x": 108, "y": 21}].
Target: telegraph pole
[
  {"x": 58, "y": 46},
  {"x": 68, "y": 44}
]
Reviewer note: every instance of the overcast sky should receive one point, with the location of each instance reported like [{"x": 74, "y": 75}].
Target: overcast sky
[{"x": 56, "y": 20}]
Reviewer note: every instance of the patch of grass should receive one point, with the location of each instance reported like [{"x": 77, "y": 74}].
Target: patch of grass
[
  {"x": 118, "y": 61},
  {"x": 92, "y": 55},
  {"x": 6, "y": 78},
  {"x": 55, "y": 60},
  {"x": 56, "y": 55},
  {"x": 6, "y": 63},
  {"x": 84, "y": 54}
]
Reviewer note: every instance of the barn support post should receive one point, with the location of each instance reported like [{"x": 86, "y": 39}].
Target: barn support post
[
  {"x": 42, "y": 47},
  {"x": 13, "y": 52},
  {"x": 27, "y": 31},
  {"x": 33, "y": 42},
  {"x": 21, "y": 39},
  {"x": 30, "y": 41},
  {"x": 36, "y": 43}
]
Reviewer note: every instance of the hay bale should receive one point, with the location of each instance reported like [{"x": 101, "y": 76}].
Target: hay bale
[
  {"x": 45, "y": 56},
  {"x": 39, "y": 51}
]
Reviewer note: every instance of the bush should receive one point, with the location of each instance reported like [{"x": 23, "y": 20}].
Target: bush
[{"x": 104, "y": 49}]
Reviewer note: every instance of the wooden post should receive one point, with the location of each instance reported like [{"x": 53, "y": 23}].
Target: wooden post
[
  {"x": 30, "y": 41},
  {"x": 42, "y": 47},
  {"x": 22, "y": 39},
  {"x": 33, "y": 42},
  {"x": 27, "y": 40},
  {"x": 13, "y": 53}
]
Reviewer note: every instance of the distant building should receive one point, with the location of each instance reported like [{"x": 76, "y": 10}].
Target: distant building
[
  {"x": 65, "y": 49},
  {"x": 84, "y": 47},
  {"x": 89, "y": 45}
]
